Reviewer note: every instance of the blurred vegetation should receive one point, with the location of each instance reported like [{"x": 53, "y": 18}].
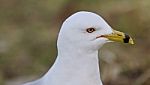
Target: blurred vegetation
[{"x": 29, "y": 29}]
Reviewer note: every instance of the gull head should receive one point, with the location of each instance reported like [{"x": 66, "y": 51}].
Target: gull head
[{"x": 89, "y": 31}]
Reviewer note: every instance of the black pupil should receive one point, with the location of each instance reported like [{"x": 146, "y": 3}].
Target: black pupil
[{"x": 91, "y": 29}]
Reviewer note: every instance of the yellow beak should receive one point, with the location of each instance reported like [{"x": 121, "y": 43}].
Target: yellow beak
[{"x": 119, "y": 37}]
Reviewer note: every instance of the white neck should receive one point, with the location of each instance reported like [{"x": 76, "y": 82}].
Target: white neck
[{"x": 77, "y": 69}]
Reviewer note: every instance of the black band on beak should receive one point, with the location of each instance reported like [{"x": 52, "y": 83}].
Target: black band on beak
[{"x": 126, "y": 39}]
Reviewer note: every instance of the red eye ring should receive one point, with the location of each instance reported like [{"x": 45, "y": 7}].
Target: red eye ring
[{"x": 90, "y": 30}]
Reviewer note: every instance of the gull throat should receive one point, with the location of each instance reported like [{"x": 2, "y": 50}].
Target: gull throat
[{"x": 83, "y": 70}]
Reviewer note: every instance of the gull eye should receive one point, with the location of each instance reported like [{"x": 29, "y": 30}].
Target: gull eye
[{"x": 90, "y": 30}]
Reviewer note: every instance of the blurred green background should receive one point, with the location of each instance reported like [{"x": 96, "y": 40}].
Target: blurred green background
[{"x": 29, "y": 29}]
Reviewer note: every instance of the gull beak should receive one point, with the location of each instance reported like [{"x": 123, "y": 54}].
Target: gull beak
[{"x": 118, "y": 36}]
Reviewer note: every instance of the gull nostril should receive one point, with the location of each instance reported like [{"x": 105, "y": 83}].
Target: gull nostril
[{"x": 119, "y": 35}]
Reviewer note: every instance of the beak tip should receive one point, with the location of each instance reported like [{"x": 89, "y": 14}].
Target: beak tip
[{"x": 131, "y": 42}]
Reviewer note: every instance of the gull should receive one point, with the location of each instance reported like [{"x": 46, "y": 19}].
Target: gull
[{"x": 80, "y": 37}]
